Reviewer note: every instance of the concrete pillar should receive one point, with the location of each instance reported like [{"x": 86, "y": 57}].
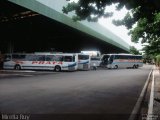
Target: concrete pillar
[{"x": 10, "y": 48}]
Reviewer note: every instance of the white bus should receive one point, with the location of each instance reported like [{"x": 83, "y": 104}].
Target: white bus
[
  {"x": 84, "y": 62},
  {"x": 121, "y": 61},
  {"x": 96, "y": 61},
  {"x": 41, "y": 61}
]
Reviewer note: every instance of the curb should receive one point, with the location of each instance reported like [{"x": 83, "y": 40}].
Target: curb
[
  {"x": 138, "y": 104},
  {"x": 151, "y": 100}
]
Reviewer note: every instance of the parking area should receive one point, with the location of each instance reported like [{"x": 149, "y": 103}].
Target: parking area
[
  {"x": 28, "y": 73},
  {"x": 79, "y": 92},
  {"x": 23, "y": 73}
]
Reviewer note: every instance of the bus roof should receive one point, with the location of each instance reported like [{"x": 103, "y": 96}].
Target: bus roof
[
  {"x": 122, "y": 54},
  {"x": 40, "y": 53}
]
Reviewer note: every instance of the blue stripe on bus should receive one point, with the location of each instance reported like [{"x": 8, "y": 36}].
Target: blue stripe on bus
[
  {"x": 128, "y": 62},
  {"x": 70, "y": 65}
]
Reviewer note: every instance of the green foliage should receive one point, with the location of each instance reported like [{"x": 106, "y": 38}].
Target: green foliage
[
  {"x": 139, "y": 31},
  {"x": 134, "y": 51},
  {"x": 148, "y": 58},
  {"x": 127, "y": 21},
  {"x": 145, "y": 13},
  {"x": 153, "y": 48},
  {"x": 70, "y": 7},
  {"x": 158, "y": 60},
  {"x": 88, "y": 9}
]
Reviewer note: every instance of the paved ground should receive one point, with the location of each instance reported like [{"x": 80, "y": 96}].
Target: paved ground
[
  {"x": 108, "y": 92},
  {"x": 4, "y": 74},
  {"x": 156, "y": 105}
]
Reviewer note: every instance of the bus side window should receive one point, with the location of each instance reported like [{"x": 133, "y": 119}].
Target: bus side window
[
  {"x": 132, "y": 57},
  {"x": 15, "y": 56},
  {"x": 40, "y": 58},
  {"x": 139, "y": 57},
  {"x": 67, "y": 58},
  {"x": 125, "y": 57},
  {"x": 58, "y": 58},
  {"x": 83, "y": 57},
  {"x": 31, "y": 58},
  {"x": 22, "y": 57},
  {"x": 49, "y": 58},
  {"x": 117, "y": 57},
  {"x": 18, "y": 56},
  {"x": 7, "y": 58}
]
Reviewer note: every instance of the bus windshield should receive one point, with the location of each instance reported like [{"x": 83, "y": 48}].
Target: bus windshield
[
  {"x": 83, "y": 57},
  {"x": 95, "y": 58},
  {"x": 105, "y": 59}
]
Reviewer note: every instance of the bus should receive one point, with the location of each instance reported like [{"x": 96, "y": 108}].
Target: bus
[
  {"x": 41, "y": 61},
  {"x": 121, "y": 61},
  {"x": 84, "y": 62},
  {"x": 96, "y": 61}
]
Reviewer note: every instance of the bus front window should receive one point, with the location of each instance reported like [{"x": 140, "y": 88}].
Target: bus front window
[{"x": 110, "y": 59}]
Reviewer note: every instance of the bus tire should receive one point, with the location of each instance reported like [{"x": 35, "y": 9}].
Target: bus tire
[
  {"x": 17, "y": 67},
  {"x": 116, "y": 67},
  {"x": 134, "y": 66},
  {"x": 137, "y": 66},
  {"x": 57, "y": 68}
]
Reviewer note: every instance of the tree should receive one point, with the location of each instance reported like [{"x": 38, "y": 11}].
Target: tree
[
  {"x": 146, "y": 13},
  {"x": 134, "y": 51},
  {"x": 158, "y": 60}
]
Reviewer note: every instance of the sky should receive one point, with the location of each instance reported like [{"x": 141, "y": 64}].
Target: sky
[{"x": 120, "y": 31}]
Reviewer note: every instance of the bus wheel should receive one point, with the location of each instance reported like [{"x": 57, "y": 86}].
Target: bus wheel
[
  {"x": 116, "y": 67},
  {"x": 137, "y": 66},
  {"x": 17, "y": 67},
  {"x": 134, "y": 66},
  {"x": 57, "y": 68}
]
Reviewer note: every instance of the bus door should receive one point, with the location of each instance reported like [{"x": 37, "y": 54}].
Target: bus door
[
  {"x": 96, "y": 61},
  {"x": 69, "y": 62},
  {"x": 105, "y": 60},
  {"x": 84, "y": 62},
  {"x": 111, "y": 61}
]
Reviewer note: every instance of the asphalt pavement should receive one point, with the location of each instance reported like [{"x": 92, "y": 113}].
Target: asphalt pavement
[{"x": 101, "y": 92}]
